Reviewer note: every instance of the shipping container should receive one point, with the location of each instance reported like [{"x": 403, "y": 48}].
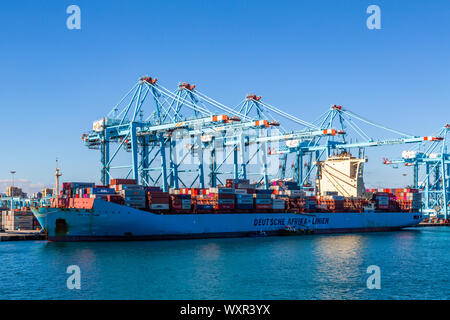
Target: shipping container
[{"x": 123, "y": 181}]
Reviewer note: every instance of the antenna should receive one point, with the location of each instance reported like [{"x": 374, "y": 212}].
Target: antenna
[
  {"x": 57, "y": 175},
  {"x": 12, "y": 174}
]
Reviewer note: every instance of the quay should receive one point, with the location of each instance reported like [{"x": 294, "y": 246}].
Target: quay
[
  {"x": 22, "y": 235},
  {"x": 433, "y": 224}
]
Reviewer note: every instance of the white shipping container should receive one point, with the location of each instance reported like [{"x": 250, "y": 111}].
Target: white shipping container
[{"x": 221, "y": 190}]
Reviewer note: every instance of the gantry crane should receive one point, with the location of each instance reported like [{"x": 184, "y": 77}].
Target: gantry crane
[
  {"x": 347, "y": 122},
  {"x": 432, "y": 161},
  {"x": 171, "y": 140}
]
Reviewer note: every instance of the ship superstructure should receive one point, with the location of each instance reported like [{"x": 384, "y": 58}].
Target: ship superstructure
[{"x": 341, "y": 174}]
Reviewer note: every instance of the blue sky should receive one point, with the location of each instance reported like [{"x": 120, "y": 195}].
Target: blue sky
[{"x": 301, "y": 56}]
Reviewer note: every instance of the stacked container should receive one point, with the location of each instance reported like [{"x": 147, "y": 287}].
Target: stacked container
[
  {"x": 76, "y": 189},
  {"x": 115, "y": 198},
  {"x": 355, "y": 204},
  {"x": 122, "y": 181},
  {"x": 17, "y": 219},
  {"x": 278, "y": 205},
  {"x": 204, "y": 203},
  {"x": 331, "y": 203},
  {"x": 263, "y": 199},
  {"x": 238, "y": 184},
  {"x": 100, "y": 192},
  {"x": 310, "y": 203},
  {"x": 181, "y": 203},
  {"x": 244, "y": 201},
  {"x": 223, "y": 198},
  {"x": 158, "y": 200},
  {"x": 408, "y": 199},
  {"x": 287, "y": 188},
  {"x": 133, "y": 195},
  {"x": 382, "y": 200}
]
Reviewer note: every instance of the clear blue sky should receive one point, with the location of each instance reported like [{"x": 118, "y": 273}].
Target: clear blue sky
[{"x": 302, "y": 56}]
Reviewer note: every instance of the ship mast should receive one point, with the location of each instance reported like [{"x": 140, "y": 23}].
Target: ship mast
[{"x": 57, "y": 175}]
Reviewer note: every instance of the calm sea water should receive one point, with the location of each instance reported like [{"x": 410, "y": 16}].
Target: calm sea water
[{"x": 414, "y": 265}]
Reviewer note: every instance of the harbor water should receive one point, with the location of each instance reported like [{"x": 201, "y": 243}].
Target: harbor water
[{"x": 413, "y": 265}]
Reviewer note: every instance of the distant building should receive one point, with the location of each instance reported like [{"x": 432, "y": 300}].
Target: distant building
[
  {"x": 14, "y": 192},
  {"x": 47, "y": 192},
  {"x": 36, "y": 195}
]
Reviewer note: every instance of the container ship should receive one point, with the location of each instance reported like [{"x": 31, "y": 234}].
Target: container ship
[{"x": 124, "y": 210}]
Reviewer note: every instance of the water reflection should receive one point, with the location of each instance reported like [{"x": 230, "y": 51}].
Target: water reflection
[
  {"x": 338, "y": 261},
  {"x": 209, "y": 251},
  {"x": 339, "y": 247},
  {"x": 72, "y": 253},
  {"x": 304, "y": 267}
]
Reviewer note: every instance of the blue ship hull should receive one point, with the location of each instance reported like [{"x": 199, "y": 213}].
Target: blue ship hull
[{"x": 110, "y": 221}]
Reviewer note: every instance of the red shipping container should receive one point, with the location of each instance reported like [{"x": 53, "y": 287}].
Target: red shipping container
[
  {"x": 123, "y": 181},
  {"x": 160, "y": 201}
]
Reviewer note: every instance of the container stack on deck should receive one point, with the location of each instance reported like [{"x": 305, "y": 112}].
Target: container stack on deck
[
  {"x": 263, "y": 200},
  {"x": 404, "y": 199},
  {"x": 244, "y": 201},
  {"x": 181, "y": 200},
  {"x": 294, "y": 199},
  {"x": 352, "y": 204},
  {"x": 237, "y": 196},
  {"x": 223, "y": 199},
  {"x": 133, "y": 195},
  {"x": 408, "y": 199},
  {"x": 331, "y": 203},
  {"x": 75, "y": 189}
]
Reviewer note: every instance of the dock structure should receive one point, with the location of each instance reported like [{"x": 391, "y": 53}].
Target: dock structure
[
  {"x": 11, "y": 203},
  {"x": 431, "y": 224},
  {"x": 22, "y": 235},
  {"x": 184, "y": 139},
  {"x": 19, "y": 220}
]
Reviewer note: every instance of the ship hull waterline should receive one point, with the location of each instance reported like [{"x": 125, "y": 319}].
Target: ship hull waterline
[{"x": 110, "y": 221}]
